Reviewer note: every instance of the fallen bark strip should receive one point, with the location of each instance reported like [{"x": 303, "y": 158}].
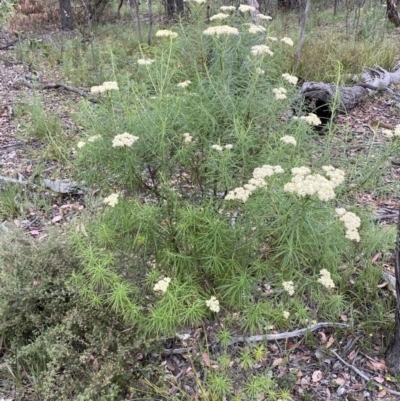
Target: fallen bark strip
[
  {"x": 344, "y": 98},
  {"x": 60, "y": 85},
  {"x": 8, "y": 45},
  {"x": 266, "y": 337},
  {"x": 71, "y": 89},
  {"x": 362, "y": 374},
  {"x": 61, "y": 187}
]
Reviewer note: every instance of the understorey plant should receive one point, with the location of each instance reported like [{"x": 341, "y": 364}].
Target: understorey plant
[{"x": 210, "y": 202}]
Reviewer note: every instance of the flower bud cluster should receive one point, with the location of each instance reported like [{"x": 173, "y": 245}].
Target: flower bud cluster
[
  {"x": 258, "y": 181},
  {"x": 351, "y": 221},
  {"x": 305, "y": 184},
  {"x": 213, "y": 304},
  {"x": 162, "y": 285},
  {"x": 326, "y": 279}
]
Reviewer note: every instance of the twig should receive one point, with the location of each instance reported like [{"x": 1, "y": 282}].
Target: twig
[
  {"x": 71, "y": 89},
  {"x": 288, "y": 334},
  {"x": 266, "y": 337},
  {"x": 61, "y": 85},
  {"x": 5, "y": 47},
  {"x": 362, "y": 374}
]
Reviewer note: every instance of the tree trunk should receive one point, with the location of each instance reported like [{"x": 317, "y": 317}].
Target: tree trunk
[
  {"x": 344, "y": 98},
  {"x": 393, "y": 352},
  {"x": 392, "y": 13},
  {"x": 67, "y": 21}
]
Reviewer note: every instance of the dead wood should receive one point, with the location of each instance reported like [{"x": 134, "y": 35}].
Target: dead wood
[
  {"x": 59, "y": 85},
  {"x": 344, "y": 98},
  {"x": 392, "y": 13},
  {"x": 8, "y": 45}
]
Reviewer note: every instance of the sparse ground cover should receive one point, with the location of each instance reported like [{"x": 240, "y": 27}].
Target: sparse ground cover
[{"x": 190, "y": 229}]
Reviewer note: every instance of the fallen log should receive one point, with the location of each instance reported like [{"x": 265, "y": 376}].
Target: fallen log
[{"x": 328, "y": 99}]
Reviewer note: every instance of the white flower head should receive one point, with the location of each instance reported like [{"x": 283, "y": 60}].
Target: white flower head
[
  {"x": 166, "y": 33},
  {"x": 260, "y": 71},
  {"x": 272, "y": 39},
  {"x": 351, "y": 221},
  {"x": 286, "y": 314},
  {"x": 311, "y": 119},
  {"x": 229, "y": 146},
  {"x": 259, "y": 50},
  {"x": 219, "y": 148},
  {"x": 256, "y": 29},
  {"x": 81, "y": 144},
  {"x": 239, "y": 193},
  {"x": 111, "y": 200},
  {"x": 244, "y": 8},
  {"x": 97, "y": 89},
  {"x": 145, "y": 61},
  {"x": 280, "y": 93},
  {"x": 388, "y": 133},
  {"x": 124, "y": 139},
  {"x": 111, "y": 85},
  {"x": 106, "y": 86},
  {"x": 290, "y": 78},
  {"x": 288, "y": 286},
  {"x": 213, "y": 304},
  {"x": 263, "y": 17},
  {"x": 187, "y": 138},
  {"x": 219, "y": 17},
  {"x": 288, "y": 41},
  {"x": 227, "y": 8},
  {"x": 288, "y": 139},
  {"x": 325, "y": 279},
  {"x": 221, "y": 30},
  {"x": 199, "y": 1},
  {"x": 184, "y": 84},
  {"x": 162, "y": 285}
]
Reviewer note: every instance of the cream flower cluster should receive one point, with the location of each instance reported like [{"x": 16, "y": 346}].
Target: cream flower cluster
[
  {"x": 221, "y": 30},
  {"x": 263, "y": 17},
  {"x": 166, "y": 33},
  {"x": 219, "y": 16},
  {"x": 311, "y": 119},
  {"x": 213, "y": 304},
  {"x": 199, "y": 1},
  {"x": 93, "y": 138},
  {"x": 256, "y": 29},
  {"x": 290, "y": 78},
  {"x": 351, "y": 221},
  {"x": 280, "y": 93},
  {"x": 260, "y": 71},
  {"x": 336, "y": 175},
  {"x": 259, "y": 50},
  {"x": 290, "y": 140},
  {"x": 258, "y": 181},
  {"x": 220, "y": 148},
  {"x": 288, "y": 41},
  {"x": 124, "y": 139},
  {"x": 272, "y": 39},
  {"x": 227, "y": 8},
  {"x": 106, "y": 86},
  {"x": 187, "y": 138},
  {"x": 184, "y": 84},
  {"x": 286, "y": 314},
  {"x": 111, "y": 200},
  {"x": 162, "y": 285},
  {"x": 288, "y": 286},
  {"x": 305, "y": 184},
  {"x": 391, "y": 134},
  {"x": 326, "y": 279},
  {"x": 145, "y": 61},
  {"x": 245, "y": 8}
]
